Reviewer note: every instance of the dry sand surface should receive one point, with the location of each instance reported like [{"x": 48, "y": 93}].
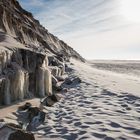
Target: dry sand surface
[
  {"x": 129, "y": 67},
  {"x": 105, "y": 106}
]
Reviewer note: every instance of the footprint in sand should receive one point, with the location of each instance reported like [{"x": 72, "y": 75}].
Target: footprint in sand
[
  {"x": 54, "y": 136},
  {"x": 89, "y": 123},
  {"x": 76, "y": 119},
  {"x": 82, "y": 132},
  {"x": 81, "y": 105},
  {"x": 84, "y": 126},
  {"x": 70, "y": 136},
  {"x": 104, "y": 129},
  {"x": 89, "y": 114},
  {"x": 77, "y": 124},
  {"x": 62, "y": 131},
  {"x": 94, "y": 107},
  {"x": 87, "y": 102},
  {"x": 128, "y": 108},
  {"x": 120, "y": 111},
  {"x": 124, "y": 105},
  {"x": 129, "y": 128},
  {"x": 98, "y": 122},
  {"x": 137, "y": 104},
  {"x": 69, "y": 122},
  {"x": 110, "y": 138},
  {"x": 98, "y": 135},
  {"x": 68, "y": 117},
  {"x": 48, "y": 133},
  {"x": 137, "y": 132},
  {"x": 108, "y": 93},
  {"x": 115, "y": 125},
  {"x": 84, "y": 138}
]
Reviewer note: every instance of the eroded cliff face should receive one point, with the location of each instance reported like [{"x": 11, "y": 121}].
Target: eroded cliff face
[
  {"x": 20, "y": 24},
  {"x": 24, "y": 74},
  {"x": 27, "y": 50}
]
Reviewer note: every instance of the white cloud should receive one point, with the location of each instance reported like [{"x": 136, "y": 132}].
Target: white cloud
[{"x": 91, "y": 26}]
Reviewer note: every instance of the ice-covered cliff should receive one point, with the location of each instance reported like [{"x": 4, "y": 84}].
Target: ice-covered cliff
[{"x": 27, "y": 50}]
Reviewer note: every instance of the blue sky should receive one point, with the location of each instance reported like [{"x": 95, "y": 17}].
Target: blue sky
[{"x": 97, "y": 29}]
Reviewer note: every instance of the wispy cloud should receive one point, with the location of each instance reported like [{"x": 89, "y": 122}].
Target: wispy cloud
[
  {"x": 82, "y": 21},
  {"x": 61, "y": 16},
  {"x": 32, "y": 3}
]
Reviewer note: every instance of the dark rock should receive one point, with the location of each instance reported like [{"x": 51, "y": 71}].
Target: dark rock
[
  {"x": 60, "y": 57},
  {"x": 57, "y": 88},
  {"x": 36, "y": 117},
  {"x": 68, "y": 69},
  {"x": 25, "y": 106},
  {"x": 13, "y": 132},
  {"x": 65, "y": 90},
  {"x": 35, "y": 111},
  {"x": 72, "y": 80},
  {"x": 1, "y": 120},
  {"x": 50, "y": 100},
  {"x": 55, "y": 97},
  {"x": 71, "y": 64},
  {"x": 77, "y": 80},
  {"x": 54, "y": 61},
  {"x": 68, "y": 81},
  {"x": 21, "y": 135}
]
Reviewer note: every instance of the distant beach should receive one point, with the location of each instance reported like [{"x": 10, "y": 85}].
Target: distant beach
[{"x": 131, "y": 67}]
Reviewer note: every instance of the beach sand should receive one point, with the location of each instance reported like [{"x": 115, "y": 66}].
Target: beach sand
[{"x": 104, "y": 106}]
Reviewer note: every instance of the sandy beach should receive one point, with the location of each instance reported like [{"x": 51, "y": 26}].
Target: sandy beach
[
  {"x": 106, "y": 105},
  {"x": 69, "y": 70}
]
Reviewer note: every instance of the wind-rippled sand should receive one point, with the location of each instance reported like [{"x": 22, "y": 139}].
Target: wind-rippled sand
[
  {"x": 105, "y": 106},
  {"x": 95, "y": 110}
]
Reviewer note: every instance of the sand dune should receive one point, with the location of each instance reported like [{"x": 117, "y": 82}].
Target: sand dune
[{"x": 106, "y": 106}]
